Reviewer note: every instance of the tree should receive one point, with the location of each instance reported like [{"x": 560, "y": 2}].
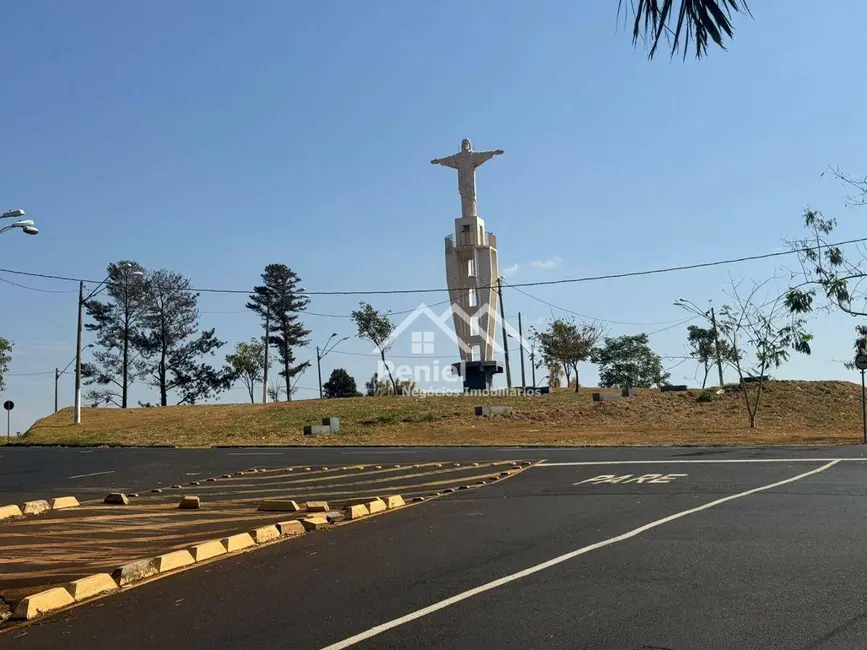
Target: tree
[
  {"x": 555, "y": 370},
  {"x": 376, "y": 328},
  {"x": 247, "y": 364},
  {"x": 827, "y": 278},
  {"x": 118, "y": 325},
  {"x": 173, "y": 359},
  {"x": 340, "y": 384},
  {"x": 275, "y": 391},
  {"x": 697, "y": 20},
  {"x": 278, "y": 300},
  {"x": 371, "y": 385},
  {"x": 760, "y": 336},
  {"x": 628, "y": 362},
  {"x": 375, "y": 386},
  {"x": 703, "y": 348},
  {"x": 568, "y": 344},
  {"x": 100, "y": 397},
  {"x": 5, "y": 359}
]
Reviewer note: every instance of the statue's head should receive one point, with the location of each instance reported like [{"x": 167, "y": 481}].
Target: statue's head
[{"x": 466, "y": 145}]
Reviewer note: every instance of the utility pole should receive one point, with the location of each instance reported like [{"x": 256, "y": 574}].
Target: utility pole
[
  {"x": 505, "y": 335},
  {"x": 56, "y": 389},
  {"x": 521, "y": 342},
  {"x": 265, "y": 370},
  {"x": 533, "y": 364},
  {"x": 319, "y": 370},
  {"x": 77, "y": 418},
  {"x": 716, "y": 344}
]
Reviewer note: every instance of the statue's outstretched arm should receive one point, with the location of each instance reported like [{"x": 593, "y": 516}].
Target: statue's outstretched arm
[
  {"x": 480, "y": 157},
  {"x": 448, "y": 161}
]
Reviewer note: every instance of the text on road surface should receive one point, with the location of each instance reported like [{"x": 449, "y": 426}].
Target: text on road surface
[{"x": 629, "y": 478}]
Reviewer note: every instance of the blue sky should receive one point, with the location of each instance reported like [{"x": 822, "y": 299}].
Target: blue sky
[{"x": 214, "y": 137}]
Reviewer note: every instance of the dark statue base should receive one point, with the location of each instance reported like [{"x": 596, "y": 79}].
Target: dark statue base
[{"x": 478, "y": 375}]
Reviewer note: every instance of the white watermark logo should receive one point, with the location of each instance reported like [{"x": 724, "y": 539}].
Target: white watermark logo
[{"x": 426, "y": 368}]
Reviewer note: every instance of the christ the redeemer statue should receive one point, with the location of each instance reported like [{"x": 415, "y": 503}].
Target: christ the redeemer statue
[{"x": 466, "y": 162}]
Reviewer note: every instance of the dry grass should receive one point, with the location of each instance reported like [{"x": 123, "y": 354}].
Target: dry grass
[{"x": 793, "y": 413}]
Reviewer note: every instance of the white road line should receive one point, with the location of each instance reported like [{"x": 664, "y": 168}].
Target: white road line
[
  {"x": 430, "y": 609},
  {"x": 697, "y": 460},
  {"x": 94, "y": 474},
  {"x": 378, "y": 453},
  {"x": 256, "y": 453}
]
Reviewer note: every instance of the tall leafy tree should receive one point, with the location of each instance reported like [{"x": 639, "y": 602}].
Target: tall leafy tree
[
  {"x": 279, "y": 300},
  {"x": 247, "y": 364},
  {"x": 568, "y": 343},
  {"x": 117, "y": 321},
  {"x": 377, "y": 328},
  {"x": 340, "y": 384},
  {"x": 628, "y": 362},
  {"x": 173, "y": 347},
  {"x": 683, "y": 22},
  {"x": 5, "y": 359}
]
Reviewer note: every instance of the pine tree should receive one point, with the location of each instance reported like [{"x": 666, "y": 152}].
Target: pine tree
[{"x": 279, "y": 300}]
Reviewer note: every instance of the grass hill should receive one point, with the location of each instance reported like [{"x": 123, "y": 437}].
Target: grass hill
[{"x": 792, "y": 412}]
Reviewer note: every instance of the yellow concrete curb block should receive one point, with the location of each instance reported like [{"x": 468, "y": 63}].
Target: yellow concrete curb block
[
  {"x": 314, "y": 523},
  {"x": 7, "y": 512},
  {"x": 116, "y": 498},
  {"x": 238, "y": 542},
  {"x": 359, "y": 501},
  {"x": 377, "y": 505},
  {"x": 291, "y": 528},
  {"x": 395, "y": 501},
  {"x": 357, "y": 511},
  {"x": 42, "y": 603},
  {"x": 35, "y": 507},
  {"x": 60, "y": 503},
  {"x": 173, "y": 560},
  {"x": 90, "y": 586},
  {"x": 279, "y": 505},
  {"x": 207, "y": 550},
  {"x": 264, "y": 534},
  {"x": 190, "y": 503},
  {"x": 317, "y": 506},
  {"x": 134, "y": 571}
]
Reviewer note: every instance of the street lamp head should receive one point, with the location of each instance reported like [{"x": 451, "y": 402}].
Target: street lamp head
[
  {"x": 23, "y": 223},
  {"x": 30, "y": 230},
  {"x": 12, "y": 214}
]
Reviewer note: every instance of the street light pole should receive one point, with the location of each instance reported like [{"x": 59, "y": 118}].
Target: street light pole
[
  {"x": 266, "y": 362},
  {"x": 77, "y": 417},
  {"x": 319, "y": 370},
  {"x": 56, "y": 390},
  {"x": 320, "y": 357}
]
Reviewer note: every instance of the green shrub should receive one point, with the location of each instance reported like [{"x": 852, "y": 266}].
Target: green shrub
[{"x": 704, "y": 396}]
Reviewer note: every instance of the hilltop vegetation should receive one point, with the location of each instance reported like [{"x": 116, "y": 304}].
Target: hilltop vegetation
[{"x": 794, "y": 412}]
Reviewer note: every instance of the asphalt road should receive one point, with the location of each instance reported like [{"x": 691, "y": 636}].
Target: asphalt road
[{"x": 692, "y": 550}]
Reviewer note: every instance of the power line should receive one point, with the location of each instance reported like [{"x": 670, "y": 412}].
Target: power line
[
  {"x": 24, "y": 286},
  {"x": 575, "y": 313},
  {"x": 592, "y": 278}
]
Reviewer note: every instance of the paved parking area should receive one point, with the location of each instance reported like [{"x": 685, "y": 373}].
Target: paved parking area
[
  {"x": 56, "y": 547},
  {"x": 676, "y": 548}
]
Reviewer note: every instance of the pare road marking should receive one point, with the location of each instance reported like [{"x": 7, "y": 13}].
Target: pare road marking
[{"x": 629, "y": 478}]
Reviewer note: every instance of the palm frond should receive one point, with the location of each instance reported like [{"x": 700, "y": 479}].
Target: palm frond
[{"x": 698, "y": 22}]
